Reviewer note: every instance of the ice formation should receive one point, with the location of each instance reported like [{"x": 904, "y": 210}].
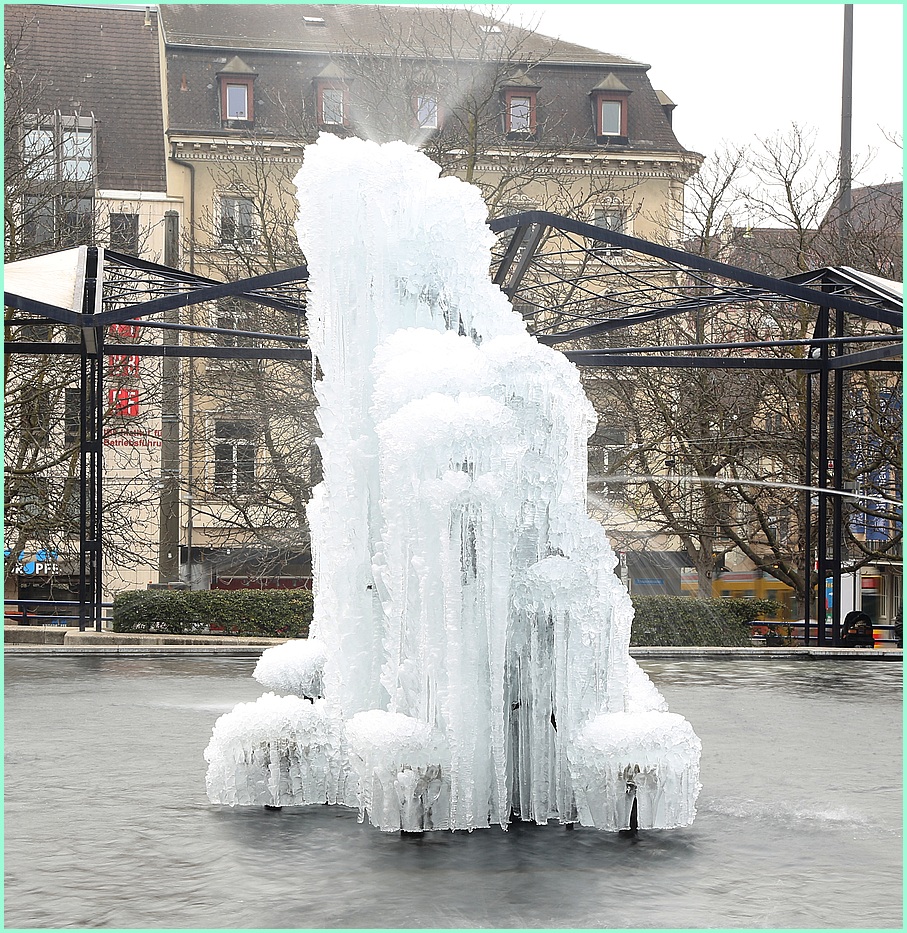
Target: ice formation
[
  {"x": 294, "y": 667},
  {"x": 279, "y": 751},
  {"x": 470, "y": 633}
]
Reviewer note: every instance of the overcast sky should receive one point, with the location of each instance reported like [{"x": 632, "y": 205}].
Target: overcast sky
[{"x": 741, "y": 71}]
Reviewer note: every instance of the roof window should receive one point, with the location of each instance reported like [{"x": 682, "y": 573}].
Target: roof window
[{"x": 313, "y": 20}]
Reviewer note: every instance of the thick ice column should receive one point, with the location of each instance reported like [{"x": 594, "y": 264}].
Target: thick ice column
[
  {"x": 470, "y": 618},
  {"x": 382, "y": 256}
]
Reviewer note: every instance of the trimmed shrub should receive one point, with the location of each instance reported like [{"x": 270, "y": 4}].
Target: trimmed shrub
[
  {"x": 658, "y": 620},
  {"x": 686, "y": 621},
  {"x": 258, "y": 613}
]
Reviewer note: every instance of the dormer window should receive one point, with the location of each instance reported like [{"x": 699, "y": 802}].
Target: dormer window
[
  {"x": 332, "y": 100},
  {"x": 520, "y": 98},
  {"x": 610, "y": 117},
  {"x": 237, "y": 101},
  {"x": 520, "y": 113},
  {"x": 332, "y": 106},
  {"x": 236, "y": 80},
  {"x": 609, "y": 99}
]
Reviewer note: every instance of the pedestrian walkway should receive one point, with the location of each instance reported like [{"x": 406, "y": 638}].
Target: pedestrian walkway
[{"x": 55, "y": 640}]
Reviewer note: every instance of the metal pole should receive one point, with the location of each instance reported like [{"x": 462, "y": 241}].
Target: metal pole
[
  {"x": 808, "y": 503},
  {"x": 90, "y": 449},
  {"x": 84, "y": 414},
  {"x": 99, "y": 481},
  {"x": 822, "y": 480},
  {"x": 844, "y": 199},
  {"x": 838, "y": 479},
  {"x": 169, "y": 517}
]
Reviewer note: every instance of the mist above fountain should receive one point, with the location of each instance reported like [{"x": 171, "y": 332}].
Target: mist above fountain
[{"x": 470, "y": 638}]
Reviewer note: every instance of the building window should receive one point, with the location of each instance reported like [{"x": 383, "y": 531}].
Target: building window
[
  {"x": 609, "y": 99},
  {"x": 234, "y": 458},
  {"x": 774, "y": 423},
  {"x": 427, "y": 112},
  {"x": 237, "y": 221},
  {"x": 237, "y": 101},
  {"x": 609, "y": 216},
  {"x": 38, "y": 228},
  {"x": 236, "y": 82},
  {"x": 332, "y": 106},
  {"x": 124, "y": 233},
  {"x": 610, "y": 118},
  {"x": 52, "y": 221},
  {"x": 76, "y": 162},
  {"x": 520, "y": 112},
  {"x": 232, "y": 315},
  {"x": 39, "y": 152},
  {"x": 76, "y": 221},
  {"x": 59, "y": 149}
]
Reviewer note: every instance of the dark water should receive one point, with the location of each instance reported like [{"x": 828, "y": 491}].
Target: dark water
[{"x": 107, "y": 823}]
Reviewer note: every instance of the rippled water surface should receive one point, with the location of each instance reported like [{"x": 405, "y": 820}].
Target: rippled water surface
[{"x": 107, "y": 823}]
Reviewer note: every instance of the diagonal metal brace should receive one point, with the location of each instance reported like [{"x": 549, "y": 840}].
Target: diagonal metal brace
[{"x": 528, "y": 237}]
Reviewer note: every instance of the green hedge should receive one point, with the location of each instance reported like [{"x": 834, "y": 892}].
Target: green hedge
[
  {"x": 684, "y": 620},
  {"x": 263, "y": 613},
  {"x": 659, "y": 620}
]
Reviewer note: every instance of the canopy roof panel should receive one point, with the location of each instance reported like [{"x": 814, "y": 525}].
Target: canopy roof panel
[{"x": 56, "y": 279}]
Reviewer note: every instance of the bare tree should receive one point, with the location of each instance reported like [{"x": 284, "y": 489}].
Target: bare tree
[
  {"x": 249, "y": 428},
  {"x": 718, "y": 453}
]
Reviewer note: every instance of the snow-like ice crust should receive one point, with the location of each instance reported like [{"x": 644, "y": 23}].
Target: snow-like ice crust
[
  {"x": 472, "y": 625},
  {"x": 403, "y": 767},
  {"x": 656, "y": 753},
  {"x": 294, "y": 667},
  {"x": 279, "y": 751}
]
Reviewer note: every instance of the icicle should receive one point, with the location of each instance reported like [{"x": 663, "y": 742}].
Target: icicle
[{"x": 474, "y": 635}]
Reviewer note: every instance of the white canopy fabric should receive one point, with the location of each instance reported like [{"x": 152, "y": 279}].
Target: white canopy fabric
[
  {"x": 888, "y": 287},
  {"x": 55, "y": 279}
]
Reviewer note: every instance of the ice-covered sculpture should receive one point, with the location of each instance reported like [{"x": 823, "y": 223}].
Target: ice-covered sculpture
[{"x": 470, "y": 634}]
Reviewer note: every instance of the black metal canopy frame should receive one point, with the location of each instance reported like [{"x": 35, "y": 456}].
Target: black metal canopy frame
[{"x": 577, "y": 285}]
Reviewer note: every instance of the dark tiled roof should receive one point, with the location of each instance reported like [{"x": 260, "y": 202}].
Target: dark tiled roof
[
  {"x": 213, "y": 34},
  {"x": 293, "y": 27},
  {"x": 874, "y": 208},
  {"x": 105, "y": 62}
]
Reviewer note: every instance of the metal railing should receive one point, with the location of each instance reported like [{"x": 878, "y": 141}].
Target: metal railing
[
  {"x": 783, "y": 628},
  {"x": 47, "y": 612}
]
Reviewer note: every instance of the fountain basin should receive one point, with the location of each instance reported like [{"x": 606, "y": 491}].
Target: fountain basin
[{"x": 107, "y": 822}]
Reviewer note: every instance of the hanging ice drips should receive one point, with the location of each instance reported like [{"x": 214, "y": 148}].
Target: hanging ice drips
[{"x": 473, "y": 633}]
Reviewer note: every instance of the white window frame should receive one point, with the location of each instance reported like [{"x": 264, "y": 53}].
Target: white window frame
[
  {"x": 235, "y": 112},
  {"x": 341, "y": 111},
  {"x": 610, "y": 105},
  {"x": 241, "y": 436},
  {"x": 518, "y": 120},
  {"x": 427, "y": 111},
  {"x": 66, "y": 144},
  {"x": 229, "y": 204}
]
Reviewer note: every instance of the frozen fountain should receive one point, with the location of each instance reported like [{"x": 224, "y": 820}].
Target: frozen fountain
[{"x": 469, "y": 661}]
